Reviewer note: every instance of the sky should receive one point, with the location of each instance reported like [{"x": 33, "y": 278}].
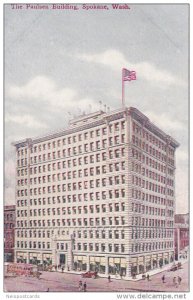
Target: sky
[{"x": 60, "y": 63}]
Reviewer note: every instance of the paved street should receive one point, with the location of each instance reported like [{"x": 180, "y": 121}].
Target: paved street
[{"x": 65, "y": 282}]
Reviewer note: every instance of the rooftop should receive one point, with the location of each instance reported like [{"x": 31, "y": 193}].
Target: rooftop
[{"x": 97, "y": 118}]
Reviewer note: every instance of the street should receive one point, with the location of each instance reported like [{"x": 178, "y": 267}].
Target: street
[{"x": 66, "y": 282}]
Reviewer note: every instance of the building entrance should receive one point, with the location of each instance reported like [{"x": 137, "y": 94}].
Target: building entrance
[{"x": 62, "y": 259}]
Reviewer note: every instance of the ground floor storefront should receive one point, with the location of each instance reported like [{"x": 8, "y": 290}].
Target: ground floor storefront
[
  {"x": 35, "y": 258},
  {"x": 124, "y": 266}
]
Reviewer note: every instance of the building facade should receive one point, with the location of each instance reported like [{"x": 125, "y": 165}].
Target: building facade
[
  {"x": 181, "y": 238},
  {"x": 9, "y": 232},
  {"x": 99, "y": 195}
]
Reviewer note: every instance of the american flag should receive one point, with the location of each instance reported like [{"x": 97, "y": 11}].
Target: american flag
[{"x": 128, "y": 75}]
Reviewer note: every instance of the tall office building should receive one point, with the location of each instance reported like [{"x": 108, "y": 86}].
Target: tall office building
[{"x": 99, "y": 195}]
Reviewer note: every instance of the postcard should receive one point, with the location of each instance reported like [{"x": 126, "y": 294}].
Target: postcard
[{"x": 96, "y": 150}]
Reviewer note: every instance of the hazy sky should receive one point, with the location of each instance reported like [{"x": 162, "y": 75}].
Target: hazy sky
[{"x": 60, "y": 61}]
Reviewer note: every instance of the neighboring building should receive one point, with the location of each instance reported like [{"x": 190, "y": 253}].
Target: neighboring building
[
  {"x": 181, "y": 239},
  {"x": 9, "y": 229},
  {"x": 99, "y": 195}
]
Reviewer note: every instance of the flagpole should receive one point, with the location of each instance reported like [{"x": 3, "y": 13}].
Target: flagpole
[{"x": 123, "y": 91}]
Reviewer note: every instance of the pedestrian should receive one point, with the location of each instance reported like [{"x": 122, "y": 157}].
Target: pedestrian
[
  {"x": 179, "y": 280},
  {"x": 175, "y": 282},
  {"x": 85, "y": 287},
  {"x": 62, "y": 269},
  {"x": 109, "y": 278},
  {"x": 148, "y": 277},
  {"x": 163, "y": 278},
  {"x": 80, "y": 285}
]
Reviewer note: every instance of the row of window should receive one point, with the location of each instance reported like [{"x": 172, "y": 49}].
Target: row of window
[
  {"x": 139, "y": 169},
  {"x": 139, "y": 195},
  {"x": 103, "y": 221},
  {"x": 81, "y": 160},
  {"x": 154, "y": 176},
  {"x": 137, "y": 181},
  {"x": 119, "y": 179},
  {"x": 74, "y": 197},
  {"x": 114, "y": 221},
  {"x": 152, "y": 151},
  {"x": 117, "y": 248},
  {"x": 151, "y": 233},
  {"x": 148, "y": 210},
  {"x": 111, "y": 234},
  {"x": 136, "y": 154},
  {"x": 49, "y": 200},
  {"x": 34, "y": 234},
  {"x": 136, "y": 194},
  {"x": 77, "y": 150},
  {"x": 120, "y": 206},
  {"x": 90, "y": 147},
  {"x": 151, "y": 174},
  {"x": 9, "y": 216},
  {"x": 116, "y": 166},
  {"x": 117, "y": 207},
  {"x": 95, "y": 171},
  {"x": 101, "y": 169},
  {"x": 102, "y": 234},
  {"x": 93, "y": 196},
  {"x": 113, "y": 128},
  {"x": 142, "y": 247},
  {"x": 141, "y": 132},
  {"x": 140, "y": 221},
  {"x": 33, "y": 245},
  {"x": 80, "y": 246}
]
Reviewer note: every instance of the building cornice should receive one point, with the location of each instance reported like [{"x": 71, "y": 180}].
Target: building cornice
[
  {"x": 136, "y": 114},
  {"x": 110, "y": 116}
]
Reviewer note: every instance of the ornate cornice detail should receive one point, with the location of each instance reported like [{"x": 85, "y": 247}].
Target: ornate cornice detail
[{"x": 106, "y": 118}]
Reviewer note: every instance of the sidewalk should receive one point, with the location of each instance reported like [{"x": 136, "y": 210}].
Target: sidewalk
[{"x": 138, "y": 277}]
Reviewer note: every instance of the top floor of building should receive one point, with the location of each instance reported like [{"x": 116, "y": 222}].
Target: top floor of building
[{"x": 100, "y": 126}]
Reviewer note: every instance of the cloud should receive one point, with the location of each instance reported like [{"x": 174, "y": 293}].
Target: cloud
[
  {"x": 111, "y": 58},
  {"x": 164, "y": 121},
  {"x": 26, "y": 120},
  {"x": 116, "y": 61},
  {"x": 44, "y": 90}
]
